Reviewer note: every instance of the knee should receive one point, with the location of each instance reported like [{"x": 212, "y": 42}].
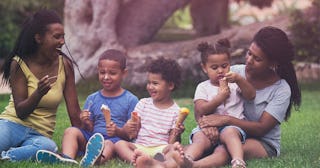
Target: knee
[
  {"x": 201, "y": 141},
  {"x": 109, "y": 144},
  {"x": 44, "y": 143},
  {"x": 71, "y": 131},
  {"x": 119, "y": 144},
  {"x": 229, "y": 133}
]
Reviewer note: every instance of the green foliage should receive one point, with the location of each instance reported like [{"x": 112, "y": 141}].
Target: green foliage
[
  {"x": 305, "y": 29},
  {"x": 180, "y": 19},
  {"x": 13, "y": 13}
]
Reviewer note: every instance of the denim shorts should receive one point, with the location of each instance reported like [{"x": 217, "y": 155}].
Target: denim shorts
[
  {"x": 241, "y": 131},
  {"x": 271, "y": 151}
]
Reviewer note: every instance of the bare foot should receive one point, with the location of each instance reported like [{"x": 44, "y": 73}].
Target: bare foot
[
  {"x": 136, "y": 154},
  {"x": 141, "y": 160},
  {"x": 178, "y": 154}
]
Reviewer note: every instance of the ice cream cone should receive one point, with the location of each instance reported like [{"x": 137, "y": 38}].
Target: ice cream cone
[
  {"x": 134, "y": 116},
  {"x": 223, "y": 83},
  {"x": 182, "y": 115},
  {"x": 106, "y": 112}
]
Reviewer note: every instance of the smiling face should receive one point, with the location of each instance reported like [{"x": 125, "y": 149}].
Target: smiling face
[
  {"x": 216, "y": 67},
  {"x": 110, "y": 76},
  {"x": 52, "y": 39},
  {"x": 159, "y": 89},
  {"x": 257, "y": 63}
]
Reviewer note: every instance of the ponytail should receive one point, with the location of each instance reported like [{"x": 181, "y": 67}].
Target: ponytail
[{"x": 287, "y": 72}]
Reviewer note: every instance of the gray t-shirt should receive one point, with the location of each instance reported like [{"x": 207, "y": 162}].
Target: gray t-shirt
[{"x": 274, "y": 100}]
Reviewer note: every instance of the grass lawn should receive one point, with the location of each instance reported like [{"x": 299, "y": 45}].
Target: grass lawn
[{"x": 300, "y": 136}]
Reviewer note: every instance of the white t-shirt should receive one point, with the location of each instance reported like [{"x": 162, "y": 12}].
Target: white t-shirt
[
  {"x": 274, "y": 100},
  {"x": 234, "y": 104}
]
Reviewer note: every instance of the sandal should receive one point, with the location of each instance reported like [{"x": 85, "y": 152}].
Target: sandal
[{"x": 238, "y": 163}]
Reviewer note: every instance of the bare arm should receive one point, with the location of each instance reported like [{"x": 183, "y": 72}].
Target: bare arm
[
  {"x": 203, "y": 107},
  {"x": 247, "y": 90},
  {"x": 25, "y": 105},
  {"x": 70, "y": 95}
]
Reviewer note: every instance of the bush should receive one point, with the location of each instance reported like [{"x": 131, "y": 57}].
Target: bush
[{"x": 305, "y": 29}]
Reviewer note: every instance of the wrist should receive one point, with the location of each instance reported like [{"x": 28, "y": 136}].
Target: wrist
[{"x": 227, "y": 120}]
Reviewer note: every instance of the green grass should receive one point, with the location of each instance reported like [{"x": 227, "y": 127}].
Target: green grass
[{"x": 300, "y": 136}]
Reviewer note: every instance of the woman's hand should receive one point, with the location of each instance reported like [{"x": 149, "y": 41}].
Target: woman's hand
[
  {"x": 44, "y": 85},
  {"x": 212, "y": 120}
]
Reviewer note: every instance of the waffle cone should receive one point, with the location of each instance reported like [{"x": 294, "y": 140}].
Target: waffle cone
[
  {"x": 106, "y": 112},
  {"x": 184, "y": 112},
  {"x": 134, "y": 116}
]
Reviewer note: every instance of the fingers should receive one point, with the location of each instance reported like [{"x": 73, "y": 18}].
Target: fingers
[
  {"x": 85, "y": 115},
  {"x": 44, "y": 84},
  {"x": 223, "y": 83}
]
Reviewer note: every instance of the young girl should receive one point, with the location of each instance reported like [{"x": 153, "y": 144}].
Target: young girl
[
  {"x": 157, "y": 131},
  {"x": 221, "y": 94}
]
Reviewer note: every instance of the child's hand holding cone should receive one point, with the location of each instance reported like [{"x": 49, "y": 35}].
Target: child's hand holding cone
[{"x": 224, "y": 89}]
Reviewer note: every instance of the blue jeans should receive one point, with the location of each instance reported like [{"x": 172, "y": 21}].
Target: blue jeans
[{"x": 19, "y": 142}]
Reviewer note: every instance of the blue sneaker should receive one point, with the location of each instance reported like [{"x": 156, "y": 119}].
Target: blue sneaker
[
  {"x": 93, "y": 150},
  {"x": 44, "y": 156}
]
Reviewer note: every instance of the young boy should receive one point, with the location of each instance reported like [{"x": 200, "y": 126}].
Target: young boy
[
  {"x": 156, "y": 132},
  {"x": 96, "y": 137}
]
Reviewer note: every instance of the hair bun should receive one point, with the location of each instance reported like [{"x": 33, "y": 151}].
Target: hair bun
[
  {"x": 203, "y": 46},
  {"x": 224, "y": 42}
]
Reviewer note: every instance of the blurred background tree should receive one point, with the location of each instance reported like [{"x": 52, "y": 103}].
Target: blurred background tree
[{"x": 147, "y": 29}]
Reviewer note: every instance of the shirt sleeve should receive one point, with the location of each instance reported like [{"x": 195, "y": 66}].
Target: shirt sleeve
[
  {"x": 278, "y": 105},
  {"x": 200, "y": 93}
]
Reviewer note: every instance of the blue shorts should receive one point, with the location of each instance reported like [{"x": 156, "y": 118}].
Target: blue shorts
[
  {"x": 241, "y": 131},
  {"x": 87, "y": 135}
]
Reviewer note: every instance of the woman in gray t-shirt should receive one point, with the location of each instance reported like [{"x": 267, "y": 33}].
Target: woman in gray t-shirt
[{"x": 269, "y": 69}]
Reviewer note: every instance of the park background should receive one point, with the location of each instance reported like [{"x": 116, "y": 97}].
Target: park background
[{"x": 148, "y": 29}]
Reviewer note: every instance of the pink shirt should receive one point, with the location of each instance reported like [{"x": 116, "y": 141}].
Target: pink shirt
[{"x": 155, "y": 123}]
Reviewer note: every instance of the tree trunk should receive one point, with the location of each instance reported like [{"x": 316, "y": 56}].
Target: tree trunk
[
  {"x": 209, "y": 16},
  {"x": 93, "y": 26},
  {"x": 90, "y": 30},
  {"x": 139, "y": 20}
]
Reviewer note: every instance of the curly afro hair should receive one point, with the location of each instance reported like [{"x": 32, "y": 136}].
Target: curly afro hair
[{"x": 169, "y": 69}]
